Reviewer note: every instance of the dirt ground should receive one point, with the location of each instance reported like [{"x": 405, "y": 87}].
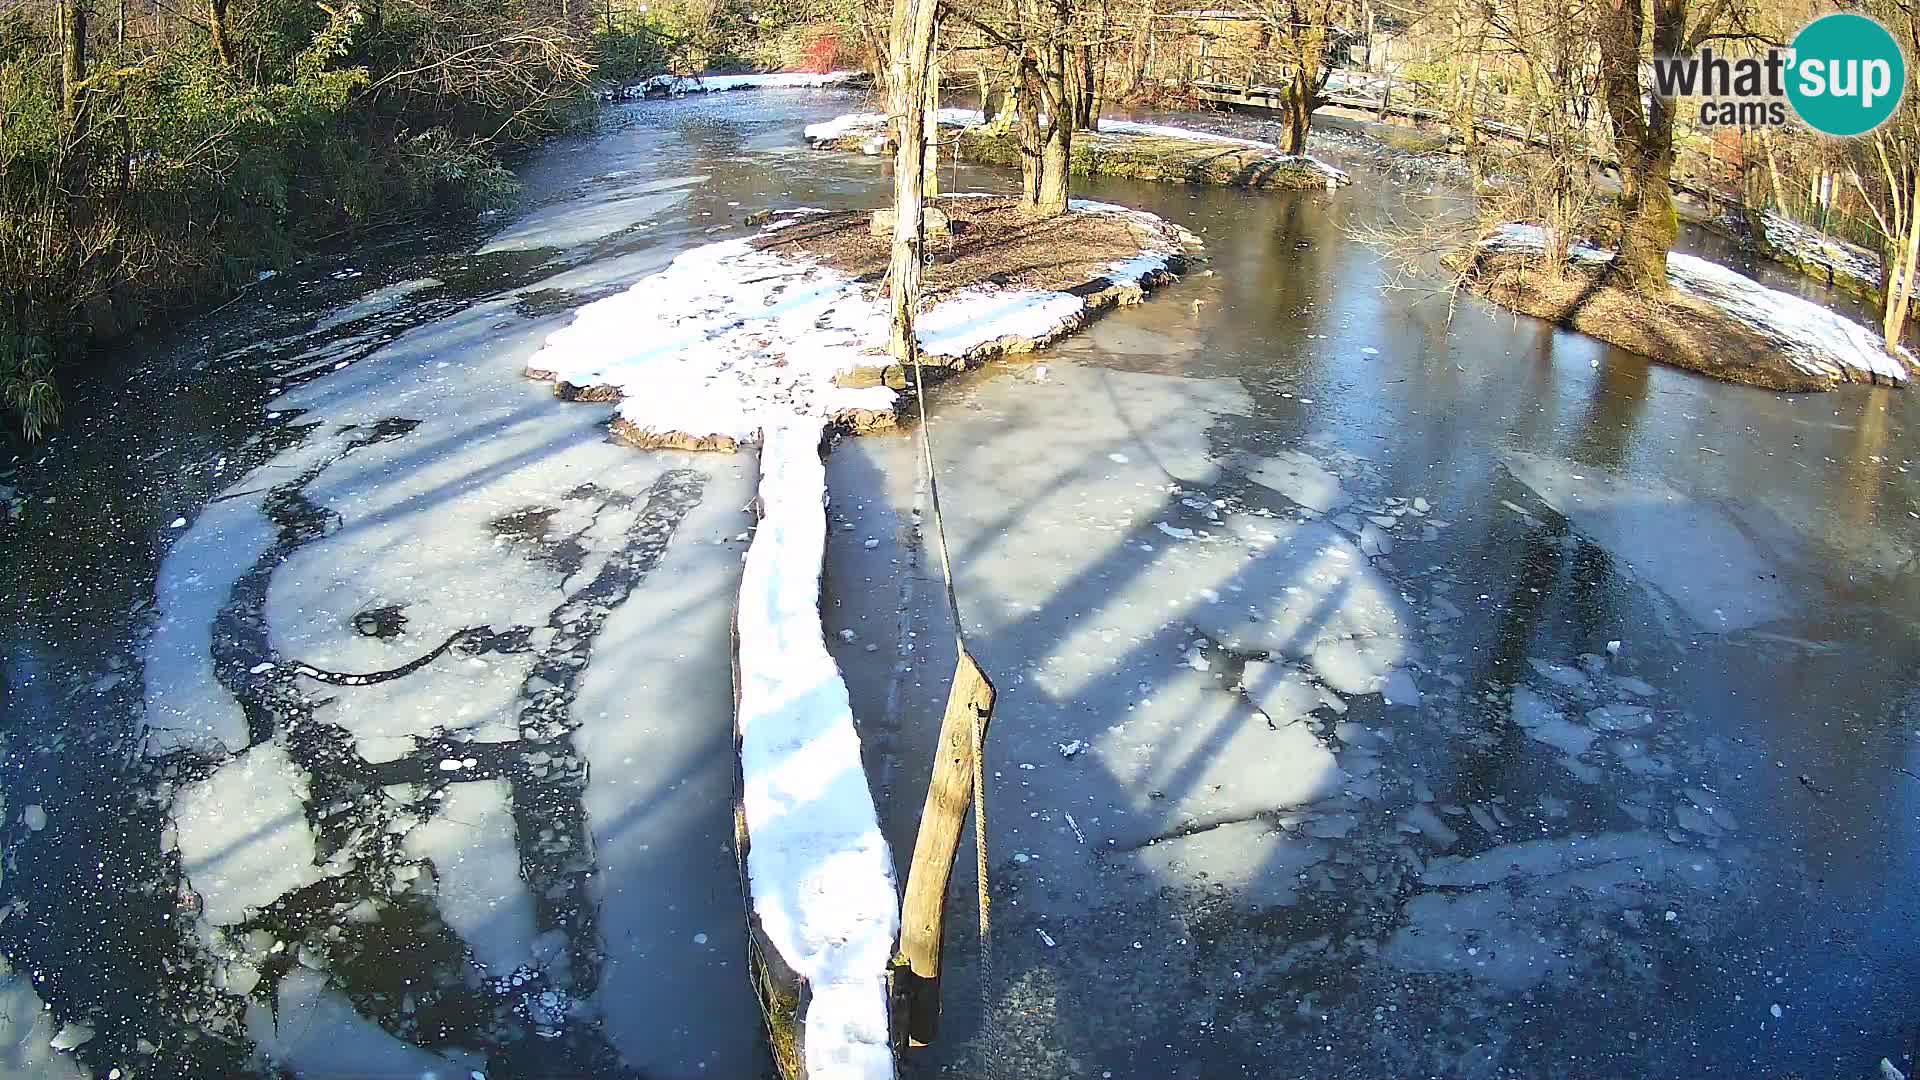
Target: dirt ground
[{"x": 992, "y": 241}]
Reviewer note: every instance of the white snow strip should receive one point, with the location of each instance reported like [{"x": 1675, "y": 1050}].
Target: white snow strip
[
  {"x": 1813, "y": 339},
  {"x": 821, "y": 874},
  {"x": 728, "y": 338},
  {"x": 704, "y": 84}
]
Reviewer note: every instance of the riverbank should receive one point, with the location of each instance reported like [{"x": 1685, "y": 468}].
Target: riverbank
[
  {"x": 792, "y": 321},
  {"x": 1154, "y": 152},
  {"x": 1711, "y": 319}
]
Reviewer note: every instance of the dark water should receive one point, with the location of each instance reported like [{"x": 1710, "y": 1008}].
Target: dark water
[{"x": 1752, "y": 552}]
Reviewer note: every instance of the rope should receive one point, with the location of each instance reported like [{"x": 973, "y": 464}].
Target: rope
[{"x": 959, "y": 637}]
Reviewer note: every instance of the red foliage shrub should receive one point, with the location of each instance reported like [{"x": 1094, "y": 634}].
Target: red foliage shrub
[{"x": 823, "y": 53}]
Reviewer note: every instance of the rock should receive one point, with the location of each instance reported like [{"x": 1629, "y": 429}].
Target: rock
[
  {"x": 933, "y": 221},
  {"x": 71, "y": 1036},
  {"x": 34, "y": 818}
]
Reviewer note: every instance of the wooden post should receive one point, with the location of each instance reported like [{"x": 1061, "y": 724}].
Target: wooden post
[{"x": 949, "y": 794}]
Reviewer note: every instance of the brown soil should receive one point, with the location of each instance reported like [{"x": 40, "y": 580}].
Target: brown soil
[
  {"x": 1672, "y": 328},
  {"x": 993, "y": 242}
]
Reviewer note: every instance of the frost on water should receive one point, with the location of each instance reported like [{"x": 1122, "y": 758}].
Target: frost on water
[
  {"x": 1812, "y": 338},
  {"x": 33, "y": 1044},
  {"x": 1693, "y": 551},
  {"x": 315, "y": 1031},
  {"x": 243, "y": 835},
  {"x": 729, "y": 336},
  {"x": 470, "y": 846}
]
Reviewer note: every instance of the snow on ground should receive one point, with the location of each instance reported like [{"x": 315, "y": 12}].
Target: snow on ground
[
  {"x": 875, "y": 123},
  {"x": 1820, "y": 342},
  {"x": 821, "y": 874},
  {"x": 703, "y": 84},
  {"x": 728, "y": 336}
]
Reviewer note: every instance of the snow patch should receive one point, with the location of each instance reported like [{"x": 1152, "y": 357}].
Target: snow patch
[
  {"x": 729, "y": 338},
  {"x": 1817, "y": 341}
]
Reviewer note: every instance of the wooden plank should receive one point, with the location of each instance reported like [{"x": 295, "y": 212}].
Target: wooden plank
[{"x": 949, "y": 796}]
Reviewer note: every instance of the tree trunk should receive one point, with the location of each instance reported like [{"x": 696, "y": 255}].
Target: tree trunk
[
  {"x": 1056, "y": 157},
  {"x": 930, "y": 124},
  {"x": 910, "y": 53},
  {"x": 1299, "y": 113},
  {"x": 1080, "y": 89},
  {"x": 1642, "y": 137},
  {"x": 1137, "y": 57},
  {"x": 1046, "y": 149},
  {"x": 1027, "y": 104},
  {"x": 73, "y": 62},
  {"x": 217, "y": 29}
]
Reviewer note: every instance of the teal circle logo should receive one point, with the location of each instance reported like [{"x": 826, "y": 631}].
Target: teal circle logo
[{"x": 1847, "y": 75}]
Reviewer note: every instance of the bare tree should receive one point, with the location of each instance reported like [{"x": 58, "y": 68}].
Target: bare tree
[{"x": 1305, "y": 37}]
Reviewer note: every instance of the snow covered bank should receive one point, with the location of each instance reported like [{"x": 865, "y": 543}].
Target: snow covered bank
[
  {"x": 731, "y": 337},
  {"x": 1847, "y": 267},
  {"x": 676, "y": 85},
  {"x": 1714, "y": 320},
  {"x": 818, "y": 868},
  {"x": 867, "y": 132}
]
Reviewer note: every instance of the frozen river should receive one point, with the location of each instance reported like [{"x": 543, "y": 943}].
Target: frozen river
[{"x": 1378, "y": 695}]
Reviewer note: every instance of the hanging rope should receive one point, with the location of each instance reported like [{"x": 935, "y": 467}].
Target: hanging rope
[{"x": 960, "y": 641}]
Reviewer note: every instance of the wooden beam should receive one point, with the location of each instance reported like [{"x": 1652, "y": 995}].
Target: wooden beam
[{"x": 949, "y": 795}]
